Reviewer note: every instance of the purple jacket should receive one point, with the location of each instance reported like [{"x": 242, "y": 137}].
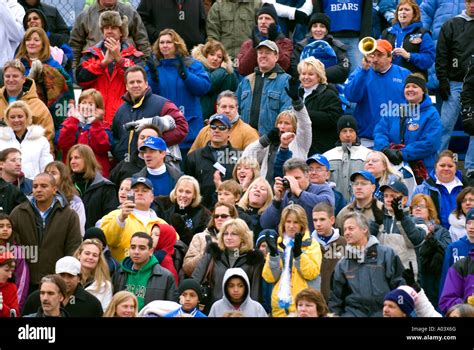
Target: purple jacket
[{"x": 459, "y": 284}]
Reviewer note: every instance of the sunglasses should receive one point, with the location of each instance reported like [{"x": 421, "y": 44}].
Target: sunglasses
[
  {"x": 223, "y": 216},
  {"x": 220, "y": 127}
]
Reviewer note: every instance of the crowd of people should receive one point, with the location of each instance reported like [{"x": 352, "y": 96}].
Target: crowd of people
[{"x": 236, "y": 158}]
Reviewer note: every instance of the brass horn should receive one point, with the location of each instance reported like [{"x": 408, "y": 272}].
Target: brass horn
[{"x": 367, "y": 45}]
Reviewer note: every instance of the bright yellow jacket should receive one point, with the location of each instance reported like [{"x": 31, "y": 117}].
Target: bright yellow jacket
[
  {"x": 118, "y": 238},
  {"x": 304, "y": 271}
]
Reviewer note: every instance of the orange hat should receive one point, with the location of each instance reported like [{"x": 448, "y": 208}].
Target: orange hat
[{"x": 384, "y": 46}]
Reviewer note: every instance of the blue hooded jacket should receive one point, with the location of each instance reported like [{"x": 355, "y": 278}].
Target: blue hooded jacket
[
  {"x": 445, "y": 202},
  {"x": 185, "y": 93},
  {"x": 425, "y": 57},
  {"x": 372, "y": 91},
  {"x": 422, "y": 133}
]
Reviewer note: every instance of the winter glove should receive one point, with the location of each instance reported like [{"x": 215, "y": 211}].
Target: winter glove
[
  {"x": 274, "y": 136},
  {"x": 394, "y": 155},
  {"x": 297, "y": 245},
  {"x": 182, "y": 70},
  {"x": 164, "y": 123},
  {"x": 272, "y": 32},
  {"x": 255, "y": 38},
  {"x": 397, "y": 208},
  {"x": 378, "y": 214},
  {"x": 444, "y": 89},
  {"x": 271, "y": 238},
  {"x": 301, "y": 17},
  {"x": 177, "y": 222},
  {"x": 409, "y": 277},
  {"x": 293, "y": 90}
]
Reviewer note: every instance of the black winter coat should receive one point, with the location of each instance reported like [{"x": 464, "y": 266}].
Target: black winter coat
[
  {"x": 251, "y": 262},
  {"x": 10, "y": 197},
  {"x": 324, "y": 109},
  {"x": 84, "y": 305},
  {"x": 200, "y": 165},
  {"x": 187, "y": 222},
  {"x": 99, "y": 199}
]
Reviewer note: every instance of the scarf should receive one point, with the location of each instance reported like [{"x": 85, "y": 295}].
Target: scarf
[
  {"x": 182, "y": 313},
  {"x": 284, "y": 293}
]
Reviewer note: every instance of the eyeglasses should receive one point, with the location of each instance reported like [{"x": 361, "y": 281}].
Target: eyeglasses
[
  {"x": 468, "y": 200},
  {"x": 220, "y": 127},
  {"x": 373, "y": 160},
  {"x": 419, "y": 206},
  {"x": 223, "y": 216}
]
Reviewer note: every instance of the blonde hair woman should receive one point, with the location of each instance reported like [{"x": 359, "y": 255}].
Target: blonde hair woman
[
  {"x": 255, "y": 201},
  {"x": 245, "y": 171},
  {"x": 234, "y": 248},
  {"x": 183, "y": 208},
  {"x": 322, "y": 102},
  {"x": 291, "y": 137},
  {"x": 294, "y": 262},
  {"x": 378, "y": 165},
  {"x": 123, "y": 304},
  {"x": 221, "y": 213},
  {"x": 28, "y": 139},
  {"x": 95, "y": 276}
]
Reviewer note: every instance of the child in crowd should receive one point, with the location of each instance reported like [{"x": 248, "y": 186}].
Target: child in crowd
[
  {"x": 84, "y": 125},
  {"x": 236, "y": 296},
  {"x": 189, "y": 296},
  {"x": 8, "y": 244},
  {"x": 8, "y": 292}
]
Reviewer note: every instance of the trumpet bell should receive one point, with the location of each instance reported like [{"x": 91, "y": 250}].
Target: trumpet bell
[{"x": 367, "y": 45}]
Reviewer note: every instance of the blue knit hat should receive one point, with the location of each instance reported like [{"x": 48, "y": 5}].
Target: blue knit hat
[{"x": 403, "y": 300}]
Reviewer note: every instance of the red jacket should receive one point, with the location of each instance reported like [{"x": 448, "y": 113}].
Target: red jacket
[
  {"x": 10, "y": 299},
  {"x": 97, "y": 135},
  {"x": 166, "y": 244},
  {"x": 91, "y": 74},
  {"x": 247, "y": 56}
]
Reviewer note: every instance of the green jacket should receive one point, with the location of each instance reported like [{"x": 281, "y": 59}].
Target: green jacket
[
  {"x": 137, "y": 281},
  {"x": 231, "y": 22}
]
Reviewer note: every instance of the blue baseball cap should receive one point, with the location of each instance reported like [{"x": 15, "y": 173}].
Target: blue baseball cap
[
  {"x": 320, "y": 159},
  {"x": 397, "y": 186},
  {"x": 154, "y": 142},
  {"x": 470, "y": 215},
  {"x": 365, "y": 174},
  {"x": 142, "y": 180},
  {"x": 222, "y": 118}
]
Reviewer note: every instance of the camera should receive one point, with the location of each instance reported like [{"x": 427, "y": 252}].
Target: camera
[
  {"x": 131, "y": 196},
  {"x": 286, "y": 183}
]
